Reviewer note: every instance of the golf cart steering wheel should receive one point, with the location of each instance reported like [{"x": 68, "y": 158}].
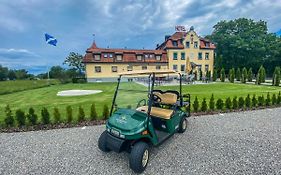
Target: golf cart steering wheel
[
  {"x": 140, "y": 103},
  {"x": 156, "y": 98}
]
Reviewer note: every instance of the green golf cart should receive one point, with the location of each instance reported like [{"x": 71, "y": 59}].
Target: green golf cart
[{"x": 156, "y": 115}]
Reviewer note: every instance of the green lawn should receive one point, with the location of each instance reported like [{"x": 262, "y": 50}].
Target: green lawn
[
  {"x": 21, "y": 85},
  {"x": 46, "y": 96}
]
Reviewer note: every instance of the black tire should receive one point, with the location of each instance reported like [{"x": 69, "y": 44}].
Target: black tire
[
  {"x": 137, "y": 155},
  {"x": 183, "y": 125},
  {"x": 102, "y": 142}
]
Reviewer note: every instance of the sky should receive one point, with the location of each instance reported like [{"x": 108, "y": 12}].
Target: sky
[{"x": 115, "y": 23}]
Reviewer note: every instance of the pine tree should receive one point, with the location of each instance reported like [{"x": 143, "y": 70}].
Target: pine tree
[
  {"x": 274, "y": 99},
  {"x": 250, "y": 75},
  {"x": 232, "y": 75},
  {"x": 228, "y": 103},
  {"x": 241, "y": 102},
  {"x": 238, "y": 74},
  {"x": 222, "y": 75},
  {"x": 196, "y": 104},
  {"x": 204, "y": 106},
  {"x": 105, "y": 112},
  {"x": 93, "y": 114},
  {"x": 32, "y": 117},
  {"x": 261, "y": 100},
  {"x": 262, "y": 75},
  {"x": 209, "y": 76},
  {"x": 69, "y": 117},
  {"x": 81, "y": 114},
  {"x": 267, "y": 100},
  {"x": 57, "y": 116},
  {"x": 234, "y": 103},
  {"x": 45, "y": 116},
  {"x": 212, "y": 103},
  {"x": 258, "y": 81},
  {"x": 215, "y": 75},
  {"x": 248, "y": 101},
  {"x": 219, "y": 104},
  {"x": 244, "y": 75},
  {"x": 20, "y": 117},
  {"x": 276, "y": 77},
  {"x": 254, "y": 101},
  {"x": 9, "y": 120}
]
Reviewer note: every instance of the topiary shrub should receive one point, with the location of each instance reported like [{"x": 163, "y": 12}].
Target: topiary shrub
[
  {"x": 241, "y": 102},
  {"x": 45, "y": 116},
  {"x": 254, "y": 101},
  {"x": 57, "y": 116},
  {"x": 234, "y": 103},
  {"x": 244, "y": 75},
  {"x": 196, "y": 104},
  {"x": 20, "y": 117},
  {"x": 278, "y": 102},
  {"x": 274, "y": 99},
  {"x": 204, "y": 106},
  {"x": 69, "y": 116},
  {"x": 9, "y": 120},
  {"x": 248, "y": 101},
  {"x": 81, "y": 114},
  {"x": 105, "y": 113},
  {"x": 222, "y": 75},
  {"x": 232, "y": 75},
  {"x": 267, "y": 100},
  {"x": 228, "y": 103},
  {"x": 215, "y": 75},
  {"x": 212, "y": 103},
  {"x": 261, "y": 100},
  {"x": 93, "y": 114},
  {"x": 250, "y": 75},
  {"x": 238, "y": 74},
  {"x": 219, "y": 104},
  {"x": 32, "y": 117}
]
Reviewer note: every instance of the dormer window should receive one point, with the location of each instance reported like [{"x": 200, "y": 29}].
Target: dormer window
[
  {"x": 139, "y": 57},
  {"x": 105, "y": 55},
  {"x": 175, "y": 43},
  {"x": 97, "y": 57},
  {"x": 195, "y": 44},
  {"x": 146, "y": 55},
  {"x": 207, "y": 45},
  {"x": 110, "y": 55},
  {"x": 119, "y": 57},
  {"x": 150, "y": 55},
  {"x": 158, "y": 57}
]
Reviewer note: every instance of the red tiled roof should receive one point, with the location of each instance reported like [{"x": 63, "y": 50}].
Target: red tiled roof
[{"x": 129, "y": 55}]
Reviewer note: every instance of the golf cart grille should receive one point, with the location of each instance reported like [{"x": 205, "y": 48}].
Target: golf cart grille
[{"x": 114, "y": 143}]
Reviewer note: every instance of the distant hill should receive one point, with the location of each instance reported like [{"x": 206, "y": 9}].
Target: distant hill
[{"x": 279, "y": 33}]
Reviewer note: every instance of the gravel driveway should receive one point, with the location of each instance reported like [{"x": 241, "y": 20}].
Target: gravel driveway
[{"x": 233, "y": 143}]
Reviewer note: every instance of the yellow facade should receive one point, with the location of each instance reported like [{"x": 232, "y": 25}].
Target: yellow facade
[
  {"x": 106, "y": 69},
  {"x": 191, "y": 55}
]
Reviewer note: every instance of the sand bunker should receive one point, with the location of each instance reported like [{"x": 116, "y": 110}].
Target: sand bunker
[{"x": 77, "y": 92}]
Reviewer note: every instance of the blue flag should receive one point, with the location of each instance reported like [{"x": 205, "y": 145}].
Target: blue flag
[{"x": 50, "y": 40}]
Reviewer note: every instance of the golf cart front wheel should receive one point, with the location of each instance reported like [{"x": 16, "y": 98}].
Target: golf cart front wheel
[
  {"x": 102, "y": 142},
  {"x": 139, "y": 157},
  {"x": 183, "y": 125}
]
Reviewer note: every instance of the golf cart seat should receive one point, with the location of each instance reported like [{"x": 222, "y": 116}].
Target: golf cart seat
[
  {"x": 157, "y": 112},
  {"x": 167, "y": 97}
]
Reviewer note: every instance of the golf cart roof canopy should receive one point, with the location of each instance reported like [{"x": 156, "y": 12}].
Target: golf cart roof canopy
[{"x": 148, "y": 72}]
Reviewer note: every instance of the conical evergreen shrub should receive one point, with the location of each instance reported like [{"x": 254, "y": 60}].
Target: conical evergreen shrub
[
  {"x": 228, "y": 103},
  {"x": 219, "y": 104},
  {"x": 274, "y": 99},
  {"x": 57, "y": 116},
  {"x": 204, "y": 106},
  {"x": 254, "y": 101},
  {"x": 32, "y": 117},
  {"x": 93, "y": 114},
  {"x": 9, "y": 120},
  {"x": 45, "y": 116},
  {"x": 81, "y": 114},
  {"x": 234, "y": 103},
  {"x": 212, "y": 103},
  {"x": 69, "y": 115},
  {"x": 267, "y": 100},
  {"x": 105, "y": 112},
  {"x": 241, "y": 102},
  {"x": 20, "y": 117},
  {"x": 196, "y": 105},
  {"x": 248, "y": 101}
]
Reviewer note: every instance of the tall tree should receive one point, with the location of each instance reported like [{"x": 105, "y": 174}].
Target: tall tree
[
  {"x": 3, "y": 73},
  {"x": 250, "y": 75},
  {"x": 75, "y": 60},
  {"x": 244, "y": 75}
]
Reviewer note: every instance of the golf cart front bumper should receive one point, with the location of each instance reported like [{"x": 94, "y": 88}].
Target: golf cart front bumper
[{"x": 115, "y": 144}]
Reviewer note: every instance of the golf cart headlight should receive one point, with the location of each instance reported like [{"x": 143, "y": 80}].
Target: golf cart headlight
[
  {"x": 122, "y": 136},
  {"x": 108, "y": 130}
]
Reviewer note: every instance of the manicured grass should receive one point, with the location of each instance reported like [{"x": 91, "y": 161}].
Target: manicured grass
[
  {"x": 46, "y": 96},
  {"x": 7, "y": 87}
]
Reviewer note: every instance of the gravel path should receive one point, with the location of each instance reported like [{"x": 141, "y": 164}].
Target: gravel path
[{"x": 233, "y": 143}]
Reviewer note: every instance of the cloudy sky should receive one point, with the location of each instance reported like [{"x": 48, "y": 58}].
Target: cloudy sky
[{"x": 115, "y": 23}]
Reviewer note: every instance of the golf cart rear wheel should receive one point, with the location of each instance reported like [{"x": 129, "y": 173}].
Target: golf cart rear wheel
[
  {"x": 183, "y": 125},
  {"x": 139, "y": 157},
  {"x": 102, "y": 142}
]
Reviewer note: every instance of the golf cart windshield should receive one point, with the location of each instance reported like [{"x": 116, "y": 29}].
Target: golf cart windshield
[{"x": 135, "y": 87}]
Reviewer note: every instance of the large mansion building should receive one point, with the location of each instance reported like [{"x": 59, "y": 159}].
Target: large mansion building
[{"x": 184, "y": 52}]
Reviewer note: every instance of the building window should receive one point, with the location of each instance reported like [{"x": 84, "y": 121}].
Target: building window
[
  {"x": 158, "y": 57},
  {"x": 97, "y": 69},
  {"x": 206, "y": 56},
  {"x": 182, "y": 56},
  {"x": 144, "y": 67},
  {"x": 175, "y": 43},
  {"x": 206, "y": 67},
  {"x": 119, "y": 57},
  {"x": 110, "y": 55},
  {"x": 175, "y": 56},
  {"x": 97, "y": 57},
  {"x": 207, "y": 45},
  {"x": 187, "y": 44},
  {"x": 182, "y": 67},
  {"x": 114, "y": 68},
  {"x": 200, "y": 56},
  {"x": 146, "y": 55},
  {"x": 175, "y": 67},
  {"x": 158, "y": 67},
  {"x": 195, "y": 44},
  {"x": 139, "y": 57},
  {"x": 129, "y": 68},
  {"x": 199, "y": 67},
  {"x": 105, "y": 55},
  {"x": 150, "y": 55}
]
